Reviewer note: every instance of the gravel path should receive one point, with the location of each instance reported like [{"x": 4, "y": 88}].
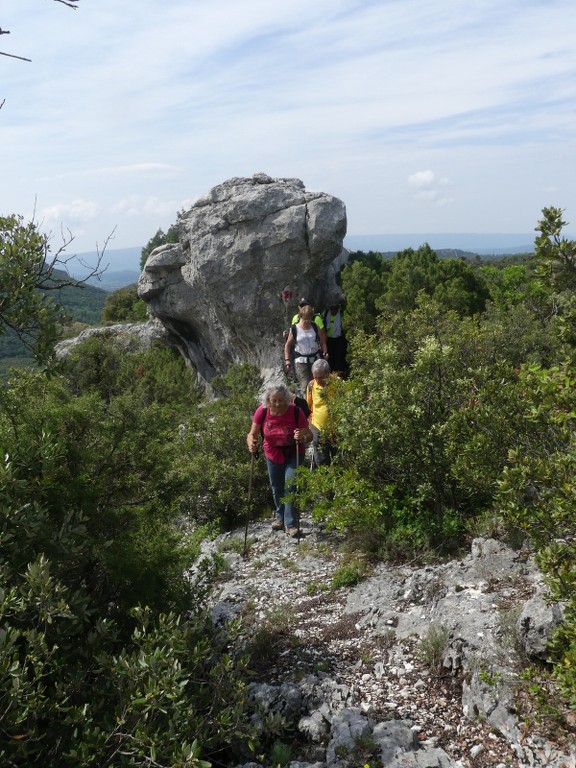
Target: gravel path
[{"x": 284, "y": 590}]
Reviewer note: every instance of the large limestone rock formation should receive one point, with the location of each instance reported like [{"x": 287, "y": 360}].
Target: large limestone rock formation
[{"x": 244, "y": 247}]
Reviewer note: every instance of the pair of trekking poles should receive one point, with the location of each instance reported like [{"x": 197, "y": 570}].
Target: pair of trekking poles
[{"x": 253, "y": 457}]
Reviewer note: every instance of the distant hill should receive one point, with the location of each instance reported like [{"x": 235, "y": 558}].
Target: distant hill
[
  {"x": 442, "y": 253},
  {"x": 471, "y": 243},
  {"x": 113, "y": 260},
  {"x": 84, "y": 303},
  {"x": 112, "y": 281},
  {"x": 118, "y": 264},
  {"x": 122, "y": 265}
]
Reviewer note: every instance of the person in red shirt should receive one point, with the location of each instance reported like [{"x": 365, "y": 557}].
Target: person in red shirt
[{"x": 285, "y": 430}]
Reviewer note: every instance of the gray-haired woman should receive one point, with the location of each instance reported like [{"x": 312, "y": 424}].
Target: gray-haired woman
[
  {"x": 285, "y": 430},
  {"x": 318, "y": 396}
]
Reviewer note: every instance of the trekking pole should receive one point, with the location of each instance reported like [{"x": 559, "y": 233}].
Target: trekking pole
[
  {"x": 249, "y": 505},
  {"x": 296, "y": 507}
]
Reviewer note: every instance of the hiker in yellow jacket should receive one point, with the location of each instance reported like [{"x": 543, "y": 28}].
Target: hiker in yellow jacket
[{"x": 317, "y": 397}]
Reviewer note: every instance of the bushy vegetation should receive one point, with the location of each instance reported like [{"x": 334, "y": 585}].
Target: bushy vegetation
[
  {"x": 37, "y": 296},
  {"x": 160, "y": 238},
  {"x": 124, "y": 306},
  {"x": 107, "y": 653},
  {"x": 454, "y": 416},
  {"x": 459, "y": 409},
  {"x": 373, "y": 285},
  {"x": 215, "y": 464}
]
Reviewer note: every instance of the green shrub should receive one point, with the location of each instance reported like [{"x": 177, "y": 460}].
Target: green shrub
[
  {"x": 87, "y": 533},
  {"x": 109, "y": 465},
  {"x": 424, "y": 426},
  {"x": 124, "y": 306},
  {"x": 350, "y": 573},
  {"x": 536, "y": 496},
  {"x": 214, "y": 461},
  {"x": 110, "y": 367},
  {"x": 432, "y": 645},
  {"x": 280, "y": 754},
  {"x": 72, "y": 694}
]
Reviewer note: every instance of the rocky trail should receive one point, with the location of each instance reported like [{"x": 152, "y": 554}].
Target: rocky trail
[{"x": 410, "y": 667}]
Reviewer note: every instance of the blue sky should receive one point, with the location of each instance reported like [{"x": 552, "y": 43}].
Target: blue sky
[{"x": 451, "y": 116}]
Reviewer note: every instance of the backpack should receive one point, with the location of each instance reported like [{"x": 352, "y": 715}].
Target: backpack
[
  {"x": 286, "y": 448},
  {"x": 301, "y": 403},
  {"x": 302, "y": 406},
  {"x": 294, "y": 332}
]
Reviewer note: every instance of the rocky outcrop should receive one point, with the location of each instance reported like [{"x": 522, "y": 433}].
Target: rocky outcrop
[
  {"x": 131, "y": 337},
  {"x": 248, "y": 250},
  {"x": 351, "y": 678}
]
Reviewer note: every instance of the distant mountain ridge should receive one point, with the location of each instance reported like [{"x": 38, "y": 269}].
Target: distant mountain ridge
[
  {"x": 113, "y": 281},
  {"x": 481, "y": 244},
  {"x": 122, "y": 265},
  {"x": 84, "y": 304}
]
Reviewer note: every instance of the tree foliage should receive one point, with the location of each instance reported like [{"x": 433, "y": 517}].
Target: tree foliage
[
  {"x": 363, "y": 285},
  {"x": 451, "y": 281},
  {"x": 214, "y": 458},
  {"x": 374, "y": 285},
  {"x": 30, "y": 279},
  {"x": 459, "y": 407},
  {"x": 399, "y": 418},
  {"x": 107, "y": 653},
  {"x": 160, "y": 238},
  {"x": 448, "y": 420},
  {"x": 555, "y": 254},
  {"x": 74, "y": 688},
  {"x": 124, "y": 306}
]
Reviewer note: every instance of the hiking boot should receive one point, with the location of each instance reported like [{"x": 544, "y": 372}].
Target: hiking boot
[
  {"x": 293, "y": 532},
  {"x": 278, "y": 525}
]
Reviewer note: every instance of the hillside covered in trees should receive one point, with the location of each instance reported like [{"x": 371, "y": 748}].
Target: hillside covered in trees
[
  {"x": 38, "y": 298},
  {"x": 456, "y": 420}
]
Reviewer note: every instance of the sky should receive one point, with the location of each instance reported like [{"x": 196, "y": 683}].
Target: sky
[{"x": 452, "y": 116}]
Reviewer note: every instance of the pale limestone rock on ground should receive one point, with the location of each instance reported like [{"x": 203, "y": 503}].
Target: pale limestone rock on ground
[
  {"x": 356, "y": 670},
  {"x": 131, "y": 337}
]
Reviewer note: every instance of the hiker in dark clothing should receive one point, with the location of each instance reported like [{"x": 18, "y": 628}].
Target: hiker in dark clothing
[
  {"x": 285, "y": 430},
  {"x": 336, "y": 339}
]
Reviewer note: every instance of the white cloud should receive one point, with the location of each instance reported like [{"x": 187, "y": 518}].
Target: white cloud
[
  {"x": 421, "y": 179},
  {"x": 75, "y": 211},
  {"x": 138, "y": 105},
  {"x": 429, "y": 189},
  {"x": 136, "y": 206}
]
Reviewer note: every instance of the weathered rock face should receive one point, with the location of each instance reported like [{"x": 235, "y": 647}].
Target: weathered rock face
[{"x": 219, "y": 291}]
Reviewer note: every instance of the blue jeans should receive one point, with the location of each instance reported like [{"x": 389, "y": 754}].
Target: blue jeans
[{"x": 282, "y": 482}]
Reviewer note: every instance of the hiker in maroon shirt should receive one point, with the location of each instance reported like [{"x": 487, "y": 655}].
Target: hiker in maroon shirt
[{"x": 285, "y": 430}]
